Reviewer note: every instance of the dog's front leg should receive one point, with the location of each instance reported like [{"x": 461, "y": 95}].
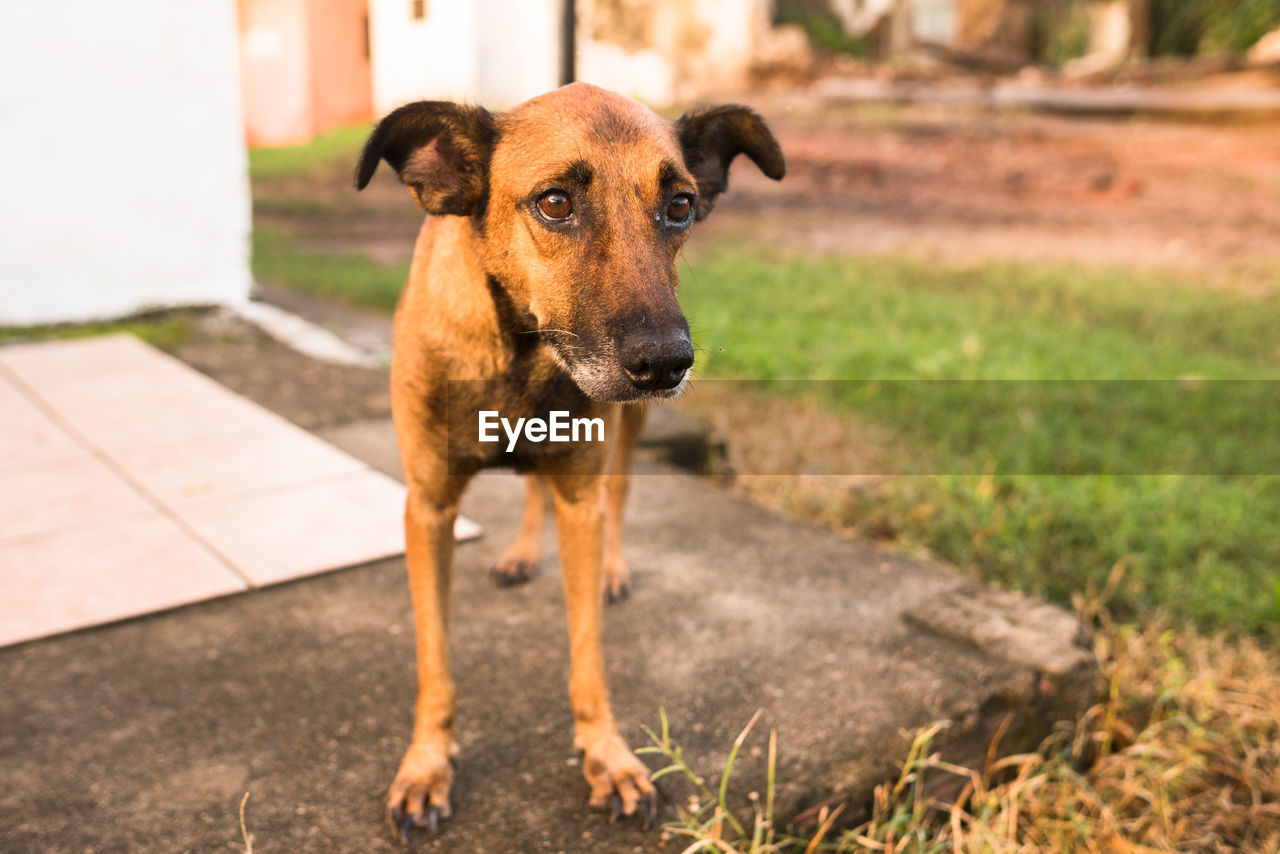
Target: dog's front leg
[
  {"x": 619, "y": 781},
  {"x": 419, "y": 795}
]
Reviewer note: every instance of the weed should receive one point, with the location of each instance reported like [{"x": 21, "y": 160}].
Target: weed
[{"x": 1182, "y": 753}]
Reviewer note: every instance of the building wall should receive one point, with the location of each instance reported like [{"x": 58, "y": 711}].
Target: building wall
[
  {"x": 664, "y": 51},
  {"x": 1000, "y": 24},
  {"x": 275, "y": 66},
  {"x": 521, "y": 58},
  {"x": 934, "y": 20},
  {"x": 431, "y": 58},
  {"x": 126, "y": 183},
  {"x": 341, "y": 72},
  {"x": 492, "y": 52}
]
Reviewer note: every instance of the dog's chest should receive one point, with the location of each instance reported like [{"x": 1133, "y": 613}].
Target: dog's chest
[{"x": 521, "y": 423}]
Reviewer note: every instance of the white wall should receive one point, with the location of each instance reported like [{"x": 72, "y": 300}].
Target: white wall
[
  {"x": 934, "y": 20},
  {"x": 126, "y": 184},
  {"x": 496, "y": 53},
  {"x": 431, "y": 58},
  {"x": 519, "y": 55}
]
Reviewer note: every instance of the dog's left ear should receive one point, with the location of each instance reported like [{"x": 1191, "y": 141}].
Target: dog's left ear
[
  {"x": 712, "y": 136},
  {"x": 440, "y": 149}
]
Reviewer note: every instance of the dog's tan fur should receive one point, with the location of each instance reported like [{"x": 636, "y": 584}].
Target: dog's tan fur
[{"x": 508, "y": 311}]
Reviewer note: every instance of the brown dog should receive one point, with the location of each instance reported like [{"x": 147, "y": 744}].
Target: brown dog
[{"x": 543, "y": 279}]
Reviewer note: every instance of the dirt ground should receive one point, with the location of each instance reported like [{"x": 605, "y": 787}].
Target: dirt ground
[
  {"x": 959, "y": 185},
  {"x": 969, "y": 186}
]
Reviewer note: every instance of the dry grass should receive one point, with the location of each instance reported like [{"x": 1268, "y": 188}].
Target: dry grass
[{"x": 1182, "y": 754}]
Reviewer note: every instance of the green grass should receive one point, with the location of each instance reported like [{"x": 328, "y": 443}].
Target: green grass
[
  {"x": 349, "y": 277},
  {"x": 328, "y": 152},
  {"x": 165, "y": 330},
  {"x": 1206, "y": 548},
  {"x": 891, "y": 318}
]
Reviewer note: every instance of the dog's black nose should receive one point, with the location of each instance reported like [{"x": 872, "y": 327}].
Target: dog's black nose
[{"x": 656, "y": 362}]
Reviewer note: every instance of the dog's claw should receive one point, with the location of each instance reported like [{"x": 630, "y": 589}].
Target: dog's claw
[
  {"x": 612, "y": 596},
  {"x": 510, "y": 573},
  {"x": 615, "y": 807},
  {"x": 649, "y": 808},
  {"x": 404, "y": 829},
  {"x": 401, "y": 822},
  {"x": 433, "y": 820}
]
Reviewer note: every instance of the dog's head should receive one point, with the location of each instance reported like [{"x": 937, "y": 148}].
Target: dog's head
[{"x": 581, "y": 200}]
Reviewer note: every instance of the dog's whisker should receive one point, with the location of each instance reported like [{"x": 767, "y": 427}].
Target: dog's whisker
[{"x": 559, "y": 331}]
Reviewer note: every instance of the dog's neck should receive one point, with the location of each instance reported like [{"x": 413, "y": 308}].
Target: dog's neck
[{"x": 483, "y": 326}]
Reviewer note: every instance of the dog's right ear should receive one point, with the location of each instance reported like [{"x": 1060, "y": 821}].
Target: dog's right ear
[{"x": 439, "y": 149}]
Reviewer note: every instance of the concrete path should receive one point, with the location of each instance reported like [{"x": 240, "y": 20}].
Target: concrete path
[
  {"x": 143, "y": 736},
  {"x": 130, "y": 483}
]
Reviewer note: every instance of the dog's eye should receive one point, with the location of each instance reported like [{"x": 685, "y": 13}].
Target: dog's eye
[
  {"x": 554, "y": 204},
  {"x": 678, "y": 210}
]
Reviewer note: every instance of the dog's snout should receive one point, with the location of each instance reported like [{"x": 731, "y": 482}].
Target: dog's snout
[{"x": 656, "y": 362}]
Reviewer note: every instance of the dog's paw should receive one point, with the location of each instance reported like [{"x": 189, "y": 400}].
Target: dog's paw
[
  {"x": 419, "y": 796},
  {"x": 512, "y": 570},
  {"x": 619, "y": 781},
  {"x": 617, "y": 581}
]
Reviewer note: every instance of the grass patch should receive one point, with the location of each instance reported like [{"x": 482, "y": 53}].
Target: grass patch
[
  {"x": 1204, "y": 548},
  {"x": 349, "y": 277},
  {"x": 165, "y": 330},
  {"x": 1179, "y": 755},
  {"x": 895, "y": 318},
  {"x": 332, "y": 151}
]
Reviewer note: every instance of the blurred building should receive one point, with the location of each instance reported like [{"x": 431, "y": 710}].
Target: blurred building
[
  {"x": 310, "y": 65},
  {"x": 126, "y": 184},
  {"x": 667, "y": 51},
  {"x": 493, "y": 52},
  {"x": 1105, "y": 31},
  {"x": 305, "y": 66}
]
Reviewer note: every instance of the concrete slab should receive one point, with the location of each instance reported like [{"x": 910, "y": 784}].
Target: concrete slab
[
  {"x": 30, "y": 438},
  {"x": 47, "y": 496},
  {"x": 95, "y": 573},
  {"x": 120, "y": 395},
  {"x": 130, "y": 482},
  {"x": 303, "y": 528},
  {"x": 227, "y": 466}
]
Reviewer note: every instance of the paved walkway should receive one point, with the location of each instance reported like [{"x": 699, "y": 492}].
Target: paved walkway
[{"x": 130, "y": 483}]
